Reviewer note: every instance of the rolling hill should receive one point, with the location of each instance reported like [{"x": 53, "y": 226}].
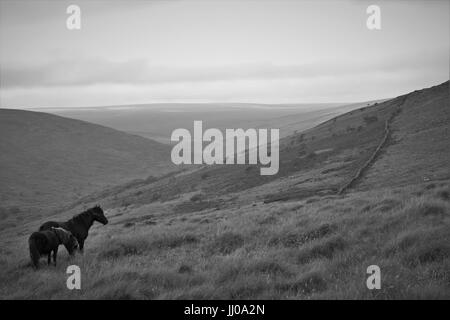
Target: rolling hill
[
  {"x": 321, "y": 160},
  {"x": 157, "y": 121},
  {"x": 369, "y": 187},
  {"x": 48, "y": 160}
]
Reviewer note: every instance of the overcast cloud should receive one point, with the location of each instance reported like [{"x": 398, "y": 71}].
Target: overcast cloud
[{"x": 176, "y": 51}]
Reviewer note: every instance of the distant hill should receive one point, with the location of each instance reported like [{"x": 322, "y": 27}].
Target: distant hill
[
  {"x": 157, "y": 121},
  {"x": 47, "y": 160},
  {"x": 323, "y": 159}
]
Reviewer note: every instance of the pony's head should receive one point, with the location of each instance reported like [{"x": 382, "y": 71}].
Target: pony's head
[
  {"x": 72, "y": 244},
  {"x": 67, "y": 239},
  {"x": 99, "y": 215}
]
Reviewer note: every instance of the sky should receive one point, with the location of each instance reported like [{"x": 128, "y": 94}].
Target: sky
[{"x": 137, "y": 52}]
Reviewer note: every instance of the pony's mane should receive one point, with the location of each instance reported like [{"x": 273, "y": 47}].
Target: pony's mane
[
  {"x": 82, "y": 214},
  {"x": 86, "y": 212},
  {"x": 81, "y": 217},
  {"x": 63, "y": 235}
]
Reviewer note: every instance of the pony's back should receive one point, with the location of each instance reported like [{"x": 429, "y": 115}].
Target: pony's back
[{"x": 48, "y": 225}]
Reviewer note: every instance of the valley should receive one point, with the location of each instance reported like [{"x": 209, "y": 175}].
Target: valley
[
  {"x": 226, "y": 232},
  {"x": 49, "y": 161}
]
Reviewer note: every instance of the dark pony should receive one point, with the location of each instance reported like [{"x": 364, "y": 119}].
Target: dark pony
[
  {"x": 47, "y": 241},
  {"x": 79, "y": 225}
]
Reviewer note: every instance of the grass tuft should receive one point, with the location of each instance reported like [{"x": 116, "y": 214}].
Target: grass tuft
[
  {"x": 124, "y": 247},
  {"x": 170, "y": 241},
  {"x": 325, "y": 249},
  {"x": 225, "y": 243},
  {"x": 306, "y": 284},
  {"x": 292, "y": 240}
]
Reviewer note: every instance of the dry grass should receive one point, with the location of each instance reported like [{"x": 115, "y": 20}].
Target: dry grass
[{"x": 284, "y": 250}]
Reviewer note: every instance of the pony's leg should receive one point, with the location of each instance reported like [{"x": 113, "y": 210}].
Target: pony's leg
[
  {"x": 55, "y": 252},
  {"x": 81, "y": 244},
  {"x": 35, "y": 264},
  {"x": 49, "y": 258}
]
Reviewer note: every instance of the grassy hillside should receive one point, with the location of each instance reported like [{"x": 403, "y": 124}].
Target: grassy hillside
[
  {"x": 419, "y": 147},
  {"x": 307, "y": 249},
  {"x": 47, "y": 160},
  {"x": 227, "y": 233}
]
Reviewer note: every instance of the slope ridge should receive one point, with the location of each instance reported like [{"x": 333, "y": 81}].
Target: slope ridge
[{"x": 47, "y": 160}]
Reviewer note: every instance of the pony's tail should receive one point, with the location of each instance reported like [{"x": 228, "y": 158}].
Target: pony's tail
[{"x": 34, "y": 252}]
